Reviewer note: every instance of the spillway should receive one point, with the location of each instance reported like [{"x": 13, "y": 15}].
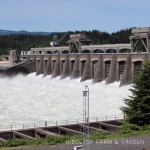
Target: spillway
[{"x": 31, "y": 98}]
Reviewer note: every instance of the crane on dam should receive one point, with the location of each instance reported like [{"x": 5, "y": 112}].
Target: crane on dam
[{"x": 56, "y": 42}]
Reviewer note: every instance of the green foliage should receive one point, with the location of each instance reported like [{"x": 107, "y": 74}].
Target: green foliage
[
  {"x": 138, "y": 105},
  {"x": 99, "y": 135},
  {"x": 49, "y": 140},
  {"x": 128, "y": 128},
  {"x": 126, "y": 131},
  {"x": 26, "y": 41}
]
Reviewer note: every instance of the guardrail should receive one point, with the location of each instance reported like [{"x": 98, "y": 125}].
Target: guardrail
[{"x": 58, "y": 123}]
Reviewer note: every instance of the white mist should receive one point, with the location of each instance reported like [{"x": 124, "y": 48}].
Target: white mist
[{"x": 28, "y": 99}]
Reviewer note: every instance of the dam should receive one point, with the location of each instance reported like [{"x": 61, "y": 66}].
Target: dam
[{"x": 81, "y": 59}]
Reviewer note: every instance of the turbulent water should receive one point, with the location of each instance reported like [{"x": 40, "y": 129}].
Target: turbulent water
[{"x": 28, "y": 99}]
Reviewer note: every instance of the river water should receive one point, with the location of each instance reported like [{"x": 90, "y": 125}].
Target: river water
[{"x": 31, "y": 98}]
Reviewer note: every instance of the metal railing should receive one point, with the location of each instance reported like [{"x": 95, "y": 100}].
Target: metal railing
[{"x": 58, "y": 123}]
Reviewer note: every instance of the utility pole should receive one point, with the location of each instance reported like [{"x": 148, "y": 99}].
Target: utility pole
[{"x": 86, "y": 118}]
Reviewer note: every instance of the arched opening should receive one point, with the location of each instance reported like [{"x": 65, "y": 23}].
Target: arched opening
[
  {"x": 125, "y": 50},
  {"x": 53, "y": 64},
  {"x": 40, "y": 52},
  {"x": 49, "y": 52},
  {"x": 98, "y": 51},
  {"x": 56, "y": 52},
  {"x": 72, "y": 65},
  {"x": 37, "y": 64},
  {"x": 62, "y": 65},
  {"x": 45, "y": 64},
  {"x": 65, "y": 52},
  {"x": 110, "y": 51},
  {"x": 107, "y": 68},
  {"x": 82, "y": 66},
  {"x": 85, "y": 51},
  {"x": 94, "y": 67},
  {"x": 137, "y": 67},
  {"x": 121, "y": 69}
]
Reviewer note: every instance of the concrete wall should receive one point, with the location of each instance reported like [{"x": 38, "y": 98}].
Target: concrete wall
[{"x": 89, "y": 66}]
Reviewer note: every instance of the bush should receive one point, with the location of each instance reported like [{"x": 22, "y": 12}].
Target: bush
[
  {"x": 49, "y": 140},
  {"x": 128, "y": 128}
]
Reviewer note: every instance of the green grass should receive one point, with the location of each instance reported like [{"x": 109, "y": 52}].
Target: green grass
[{"x": 49, "y": 140}]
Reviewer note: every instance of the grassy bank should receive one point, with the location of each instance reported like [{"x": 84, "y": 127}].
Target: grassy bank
[{"x": 59, "y": 140}]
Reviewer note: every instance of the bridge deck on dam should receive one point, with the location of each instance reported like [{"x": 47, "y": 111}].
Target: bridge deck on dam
[
  {"x": 109, "y": 67},
  {"x": 84, "y": 48},
  {"x": 70, "y": 129}
]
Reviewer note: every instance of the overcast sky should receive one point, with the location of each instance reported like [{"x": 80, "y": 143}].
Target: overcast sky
[{"x": 64, "y": 15}]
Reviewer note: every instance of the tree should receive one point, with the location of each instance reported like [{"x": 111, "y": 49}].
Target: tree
[{"x": 137, "y": 108}]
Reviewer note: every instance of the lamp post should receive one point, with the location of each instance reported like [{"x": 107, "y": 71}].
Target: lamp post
[{"x": 86, "y": 118}]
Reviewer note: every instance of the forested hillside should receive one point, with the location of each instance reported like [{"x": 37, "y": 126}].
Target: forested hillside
[{"x": 27, "y": 41}]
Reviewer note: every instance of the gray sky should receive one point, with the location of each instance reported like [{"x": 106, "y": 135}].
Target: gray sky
[{"x": 64, "y": 15}]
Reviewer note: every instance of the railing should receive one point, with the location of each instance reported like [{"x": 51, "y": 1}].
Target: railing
[{"x": 58, "y": 123}]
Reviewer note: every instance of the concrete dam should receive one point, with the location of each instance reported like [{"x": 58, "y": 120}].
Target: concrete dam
[
  {"x": 109, "y": 67},
  {"x": 97, "y": 62}
]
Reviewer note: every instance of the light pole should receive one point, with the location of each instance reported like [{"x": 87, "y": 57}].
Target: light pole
[{"x": 86, "y": 118}]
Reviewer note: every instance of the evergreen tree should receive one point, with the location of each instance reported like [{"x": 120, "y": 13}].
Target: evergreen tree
[{"x": 137, "y": 110}]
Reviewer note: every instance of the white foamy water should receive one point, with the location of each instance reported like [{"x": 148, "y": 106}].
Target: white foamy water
[{"x": 28, "y": 99}]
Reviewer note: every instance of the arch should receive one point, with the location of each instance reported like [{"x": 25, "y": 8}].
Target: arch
[
  {"x": 56, "y": 52},
  {"x": 125, "y": 50},
  {"x": 40, "y": 52},
  {"x": 86, "y": 51},
  {"x": 111, "y": 51},
  {"x": 65, "y": 51},
  {"x": 98, "y": 51},
  {"x": 49, "y": 52}
]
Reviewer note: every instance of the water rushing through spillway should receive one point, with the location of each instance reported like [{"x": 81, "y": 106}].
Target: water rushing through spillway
[{"x": 31, "y": 98}]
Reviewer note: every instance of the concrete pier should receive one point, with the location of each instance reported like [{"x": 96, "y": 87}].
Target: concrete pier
[
  {"x": 75, "y": 69},
  {"x": 65, "y": 70},
  {"x": 87, "y": 69},
  {"x": 109, "y": 67},
  {"x": 98, "y": 76},
  {"x": 47, "y": 66},
  {"x": 56, "y": 65}
]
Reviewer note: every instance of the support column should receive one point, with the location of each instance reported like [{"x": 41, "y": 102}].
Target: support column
[
  {"x": 112, "y": 73},
  {"x": 12, "y": 57},
  {"x": 117, "y": 71},
  {"x": 56, "y": 71},
  {"x": 48, "y": 67},
  {"x": 75, "y": 72},
  {"x": 86, "y": 73},
  {"x": 132, "y": 70},
  {"x": 33, "y": 65},
  {"x": 99, "y": 72},
  {"x": 126, "y": 79},
  {"x": 40, "y": 66},
  {"x": 65, "y": 71}
]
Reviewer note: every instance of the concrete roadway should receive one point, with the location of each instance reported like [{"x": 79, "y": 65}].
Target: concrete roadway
[{"x": 134, "y": 143}]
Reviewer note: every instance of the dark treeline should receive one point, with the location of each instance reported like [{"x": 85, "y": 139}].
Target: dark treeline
[{"x": 27, "y": 41}]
